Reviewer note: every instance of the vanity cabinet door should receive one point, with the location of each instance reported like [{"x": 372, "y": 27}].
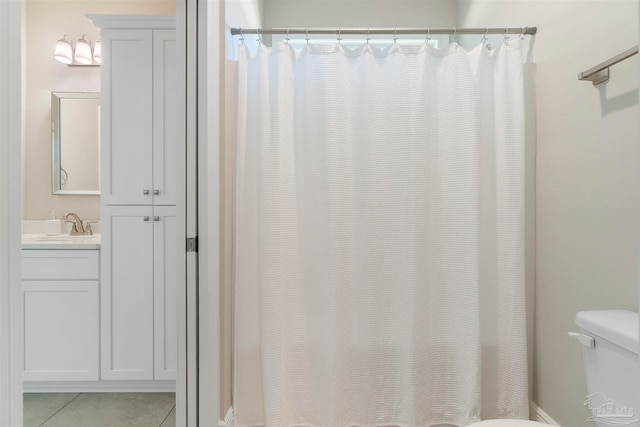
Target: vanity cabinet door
[
  {"x": 127, "y": 117},
  {"x": 61, "y": 324},
  {"x": 126, "y": 296},
  {"x": 165, "y": 278},
  {"x": 165, "y": 98}
]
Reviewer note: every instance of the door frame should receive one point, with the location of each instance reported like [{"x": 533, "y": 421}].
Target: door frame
[
  {"x": 11, "y": 131},
  {"x": 210, "y": 48},
  {"x": 200, "y": 22}
]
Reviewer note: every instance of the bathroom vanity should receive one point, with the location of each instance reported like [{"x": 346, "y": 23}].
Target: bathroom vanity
[
  {"x": 60, "y": 284},
  {"x": 64, "y": 315}
]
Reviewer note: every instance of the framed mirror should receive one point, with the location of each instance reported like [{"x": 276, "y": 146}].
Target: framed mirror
[{"x": 75, "y": 143}]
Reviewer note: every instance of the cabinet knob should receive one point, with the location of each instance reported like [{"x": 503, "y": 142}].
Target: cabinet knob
[
  {"x": 145, "y": 218},
  {"x": 156, "y": 192},
  {"x": 145, "y": 192},
  {"x": 156, "y": 218}
]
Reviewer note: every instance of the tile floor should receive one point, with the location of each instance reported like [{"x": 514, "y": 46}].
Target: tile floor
[{"x": 99, "y": 410}]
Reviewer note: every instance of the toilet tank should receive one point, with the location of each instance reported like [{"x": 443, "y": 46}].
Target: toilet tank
[{"x": 612, "y": 366}]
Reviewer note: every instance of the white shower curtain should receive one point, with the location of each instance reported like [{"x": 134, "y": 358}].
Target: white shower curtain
[{"x": 379, "y": 275}]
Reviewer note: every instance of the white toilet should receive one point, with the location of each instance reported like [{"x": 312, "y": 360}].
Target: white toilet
[{"x": 612, "y": 367}]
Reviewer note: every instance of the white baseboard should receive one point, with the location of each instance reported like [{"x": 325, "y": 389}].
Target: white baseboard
[
  {"x": 228, "y": 419},
  {"x": 537, "y": 414},
  {"x": 98, "y": 386}
]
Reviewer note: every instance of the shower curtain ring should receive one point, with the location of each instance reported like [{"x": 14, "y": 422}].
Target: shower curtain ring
[
  {"x": 453, "y": 39},
  {"x": 287, "y": 38},
  {"x": 505, "y": 37},
  {"x": 485, "y": 39},
  {"x": 523, "y": 32},
  {"x": 241, "y": 36},
  {"x": 368, "y": 37},
  {"x": 426, "y": 39},
  {"x": 306, "y": 35},
  {"x": 259, "y": 39},
  {"x": 339, "y": 36},
  {"x": 395, "y": 36}
]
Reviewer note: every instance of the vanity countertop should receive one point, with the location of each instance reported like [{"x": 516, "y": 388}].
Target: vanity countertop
[{"x": 62, "y": 241}]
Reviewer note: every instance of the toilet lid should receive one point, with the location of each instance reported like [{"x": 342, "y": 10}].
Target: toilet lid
[{"x": 507, "y": 423}]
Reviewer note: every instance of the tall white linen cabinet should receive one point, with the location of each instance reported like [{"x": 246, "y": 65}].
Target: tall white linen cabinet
[{"x": 138, "y": 212}]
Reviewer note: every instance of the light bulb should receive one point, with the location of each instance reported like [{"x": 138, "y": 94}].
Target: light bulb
[
  {"x": 64, "y": 51},
  {"x": 83, "y": 51}
]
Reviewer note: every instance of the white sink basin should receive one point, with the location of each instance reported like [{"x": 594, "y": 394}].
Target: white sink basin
[
  {"x": 60, "y": 240},
  {"x": 51, "y": 239}
]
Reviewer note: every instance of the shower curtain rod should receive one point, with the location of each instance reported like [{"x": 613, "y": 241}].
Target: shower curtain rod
[{"x": 389, "y": 31}]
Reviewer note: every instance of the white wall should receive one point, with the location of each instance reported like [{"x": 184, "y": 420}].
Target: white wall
[
  {"x": 46, "y": 22},
  {"x": 587, "y": 176}
]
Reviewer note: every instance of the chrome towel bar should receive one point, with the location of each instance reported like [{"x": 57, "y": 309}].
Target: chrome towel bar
[{"x": 600, "y": 73}]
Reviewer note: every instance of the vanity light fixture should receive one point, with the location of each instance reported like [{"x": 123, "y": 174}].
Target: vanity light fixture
[
  {"x": 83, "y": 51},
  {"x": 97, "y": 52},
  {"x": 64, "y": 51},
  {"x": 81, "y": 55}
]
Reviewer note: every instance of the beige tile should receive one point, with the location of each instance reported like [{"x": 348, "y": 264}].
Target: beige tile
[
  {"x": 170, "y": 421},
  {"x": 39, "y": 407},
  {"x": 115, "y": 410}
]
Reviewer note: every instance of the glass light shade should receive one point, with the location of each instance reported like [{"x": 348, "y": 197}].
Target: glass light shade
[
  {"x": 97, "y": 52},
  {"x": 83, "y": 51},
  {"x": 64, "y": 51}
]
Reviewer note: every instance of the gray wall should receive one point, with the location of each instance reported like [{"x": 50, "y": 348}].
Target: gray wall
[{"x": 360, "y": 13}]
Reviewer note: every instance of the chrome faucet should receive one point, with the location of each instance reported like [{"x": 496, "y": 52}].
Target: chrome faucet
[{"x": 78, "y": 228}]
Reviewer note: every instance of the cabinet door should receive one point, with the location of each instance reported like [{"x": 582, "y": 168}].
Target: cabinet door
[
  {"x": 126, "y": 296},
  {"x": 165, "y": 95},
  {"x": 126, "y": 117},
  {"x": 165, "y": 278},
  {"x": 61, "y": 324}
]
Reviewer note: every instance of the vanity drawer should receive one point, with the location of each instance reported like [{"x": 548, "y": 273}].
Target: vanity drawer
[{"x": 60, "y": 264}]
